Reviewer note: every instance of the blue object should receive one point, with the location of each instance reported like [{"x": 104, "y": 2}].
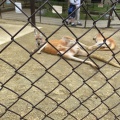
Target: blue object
[{"x": 8, "y": 2}]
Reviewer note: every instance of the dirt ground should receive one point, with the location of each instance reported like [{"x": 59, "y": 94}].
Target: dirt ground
[{"x": 43, "y": 86}]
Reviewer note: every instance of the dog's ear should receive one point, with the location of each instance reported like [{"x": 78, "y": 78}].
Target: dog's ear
[
  {"x": 67, "y": 38},
  {"x": 37, "y": 33},
  {"x": 102, "y": 33}
]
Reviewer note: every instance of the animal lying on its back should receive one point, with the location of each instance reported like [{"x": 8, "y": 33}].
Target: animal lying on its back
[
  {"x": 101, "y": 41},
  {"x": 69, "y": 48}
]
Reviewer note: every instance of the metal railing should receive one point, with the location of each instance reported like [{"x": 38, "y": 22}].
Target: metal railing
[{"x": 31, "y": 88}]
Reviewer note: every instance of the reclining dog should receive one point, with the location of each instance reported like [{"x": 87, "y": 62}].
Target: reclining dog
[
  {"x": 69, "y": 48},
  {"x": 106, "y": 43}
]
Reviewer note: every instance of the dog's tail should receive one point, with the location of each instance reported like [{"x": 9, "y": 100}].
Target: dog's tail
[
  {"x": 104, "y": 60},
  {"x": 112, "y": 45}
]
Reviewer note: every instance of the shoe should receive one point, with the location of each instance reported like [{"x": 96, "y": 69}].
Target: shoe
[
  {"x": 67, "y": 22},
  {"x": 73, "y": 24},
  {"x": 79, "y": 23}
]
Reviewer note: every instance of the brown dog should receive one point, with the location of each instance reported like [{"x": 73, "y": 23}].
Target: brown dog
[
  {"x": 68, "y": 47},
  {"x": 101, "y": 41}
]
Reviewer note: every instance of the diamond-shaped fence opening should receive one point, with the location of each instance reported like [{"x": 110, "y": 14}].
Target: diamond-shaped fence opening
[{"x": 48, "y": 87}]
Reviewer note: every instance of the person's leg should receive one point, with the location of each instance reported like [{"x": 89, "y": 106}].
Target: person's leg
[
  {"x": 78, "y": 17},
  {"x": 73, "y": 17},
  {"x": 73, "y": 22}
]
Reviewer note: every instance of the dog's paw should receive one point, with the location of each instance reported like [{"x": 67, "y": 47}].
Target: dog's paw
[
  {"x": 38, "y": 52},
  {"x": 100, "y": 44},
  {"x": 32, "y": 51}
]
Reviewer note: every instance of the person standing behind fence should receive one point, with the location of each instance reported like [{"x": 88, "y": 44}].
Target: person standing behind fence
[
  {"x": 78, "y": 12},
  {"x": 71, "y": 8}
]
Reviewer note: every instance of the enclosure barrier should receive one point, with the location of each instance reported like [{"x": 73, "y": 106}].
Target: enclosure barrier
[{"x": 32, "y": 89}]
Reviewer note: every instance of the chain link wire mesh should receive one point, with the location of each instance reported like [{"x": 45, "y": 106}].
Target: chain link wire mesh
[{"x": 34, "y": 89}]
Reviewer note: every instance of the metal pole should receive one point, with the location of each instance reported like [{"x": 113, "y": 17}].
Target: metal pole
[
  {"x": 110, "y": 16},
  {"x": 32, "y": 8},
  {"x": 3, "y": 4},
  {"x": 0, "y": 13},
  {"x": 86, "y": 15},
  {"x": 40, "y": 10}
]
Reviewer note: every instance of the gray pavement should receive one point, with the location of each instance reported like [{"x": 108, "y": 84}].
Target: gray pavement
[
  {"x": 4, "y": 37},
  {"x": 12, "y": 15}
]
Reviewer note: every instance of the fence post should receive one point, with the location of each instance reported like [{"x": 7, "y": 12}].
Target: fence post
[
  {"x": 40, "y": 10},
  {"x": 86, "y": 16},
  {"x": 110, "y": 17},
  {"x": 0, "y": 13},
  {"x": 32, "y": 7}
]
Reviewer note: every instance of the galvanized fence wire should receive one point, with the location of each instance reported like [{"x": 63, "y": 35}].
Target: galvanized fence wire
[{"x": 70, "y": 107}]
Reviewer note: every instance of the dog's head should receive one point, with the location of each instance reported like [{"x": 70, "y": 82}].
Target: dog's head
[
  {"x": 39, "y": 38},
  {"x": 97, "y": 36}
]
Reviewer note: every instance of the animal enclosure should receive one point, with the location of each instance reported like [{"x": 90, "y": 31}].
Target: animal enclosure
[{"x": 48, "y": 87}]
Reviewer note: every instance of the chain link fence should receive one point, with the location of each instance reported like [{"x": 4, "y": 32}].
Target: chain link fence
[{"x": 46, "y": 87}]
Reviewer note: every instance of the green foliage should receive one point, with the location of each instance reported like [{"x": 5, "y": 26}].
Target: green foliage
[
  {"x": 118, "y": 8},
  {"x": 93, "y": 8}
]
